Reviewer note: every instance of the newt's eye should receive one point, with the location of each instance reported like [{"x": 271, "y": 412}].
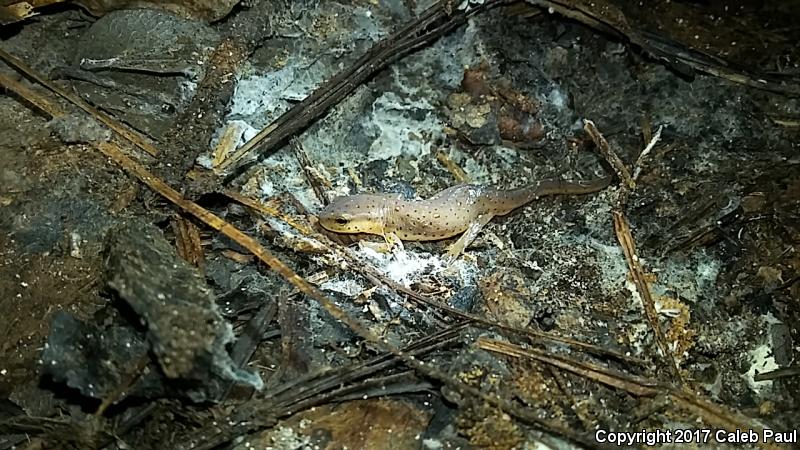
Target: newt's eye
[{"x": 341, "y": 221}]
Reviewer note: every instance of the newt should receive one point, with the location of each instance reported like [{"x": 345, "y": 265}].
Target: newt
[{"x": 463, "y": 209}]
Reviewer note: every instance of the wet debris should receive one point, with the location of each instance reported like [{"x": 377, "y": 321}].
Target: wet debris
[
  {"x": 96, "y": 359},
  {"x": 702, "y": 223},
  {"x": 354, "y": 424},
  {"x": 78, "y": 128},
  {"x": 487, "y": 110},
  {"x": 143, "y": 64},
  {"x": 205, "y": 10},
  {"x": 505, "y": 293},
  {"x": 168, "y": 313}
]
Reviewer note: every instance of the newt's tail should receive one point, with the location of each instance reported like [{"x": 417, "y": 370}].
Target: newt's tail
[
  {"x": 556, "y": 187},
  {"x": 506, "y": 201}
]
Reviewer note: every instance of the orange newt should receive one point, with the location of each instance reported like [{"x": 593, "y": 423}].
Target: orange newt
[{"x": 460, "y": 209}]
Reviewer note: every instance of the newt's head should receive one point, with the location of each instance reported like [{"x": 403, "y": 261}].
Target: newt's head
[{"x": 355, "y": 214}]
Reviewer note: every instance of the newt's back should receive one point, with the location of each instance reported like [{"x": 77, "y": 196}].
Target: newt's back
[{"x": 444, "y": 215}]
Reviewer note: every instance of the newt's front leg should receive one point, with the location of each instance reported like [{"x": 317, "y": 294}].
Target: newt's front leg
[{"x": 391, "y": 242}]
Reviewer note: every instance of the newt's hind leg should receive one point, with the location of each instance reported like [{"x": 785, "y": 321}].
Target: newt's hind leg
[{"x": 458, "y": 247}]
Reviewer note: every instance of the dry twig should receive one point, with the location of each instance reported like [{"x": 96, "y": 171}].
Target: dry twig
[
  {"x": 625, "y": 238},
  {"x": 609, "y": 155},
  {"x": 314, "y": 181},
  {"x": 626, "y": 241},
  {"x": 451, "y": 166},
  {"x": 187, "y": 241},
  {"x": 635, "y": 385}
]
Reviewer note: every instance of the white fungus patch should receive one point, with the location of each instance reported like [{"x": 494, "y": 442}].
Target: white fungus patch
[
  {"x": 611, "y": 262},
  {"x": 266, "y": 187},
  {"x": 205, "y": 161},
  {"x": 636, "y": 299},
  {"x": 283, "y": 174},
  {"x": 284, "y": 438},
  {"x": 403, "y": 266},
  {"x": 762, "y": 358},
  {"x": 558, "y": 99},
  {"x": 403, "y": 121},
  {"x": 347, "y": 287},
  {"x": 261, "y": 98},
  {"x": 407, "y": 267},
  {"x": 186, "y": 91},
  {"x": 692, "y": 278},
  {"x": 455, "y": 51},
  {"x": 432, "y": 444},
  {"x": 396, "y": 130},
  {"x": 483, "y": 174},
  {"x": 323, "y": 36}
]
